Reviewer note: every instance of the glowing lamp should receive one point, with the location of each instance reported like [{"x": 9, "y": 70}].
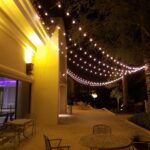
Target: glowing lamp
[
  {"x": 28, "y": 60},
  {"x": 94, "y": 95},
  {"x": 29, "y": 68},
  {"x": 35, "y": 39}
]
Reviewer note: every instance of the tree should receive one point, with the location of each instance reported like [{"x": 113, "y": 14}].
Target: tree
[
  {"x": 117, "y": 94},
  {"x": 121, "y": 27}
]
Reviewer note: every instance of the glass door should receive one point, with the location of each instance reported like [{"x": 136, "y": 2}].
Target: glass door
[
  {"x": 7, "y": 99},
  {"x": 23, "y": 99}
]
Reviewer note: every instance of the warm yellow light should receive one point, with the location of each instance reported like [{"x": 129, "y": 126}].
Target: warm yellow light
[
  {"x": 64, "y": 115},
  {"x": 28, "y": 54},
  {"x": 94, "y": 95},
  {"x": 54, "y": 43},
  {"x": 35, "y": 39}
]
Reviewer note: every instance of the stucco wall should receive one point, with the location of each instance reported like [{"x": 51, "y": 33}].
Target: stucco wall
[
  {"x": 11, "y": 53},
  {"x": 46, "y": 83},
  {"x": 18, "y": 30}
]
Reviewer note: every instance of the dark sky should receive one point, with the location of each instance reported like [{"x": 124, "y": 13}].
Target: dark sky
[{"x": 81, "y": 68}]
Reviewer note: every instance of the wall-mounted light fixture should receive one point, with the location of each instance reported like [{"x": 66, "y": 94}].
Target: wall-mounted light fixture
[
  {"x": 28, "y": 60},
  {"x": 29, "y": 68}
]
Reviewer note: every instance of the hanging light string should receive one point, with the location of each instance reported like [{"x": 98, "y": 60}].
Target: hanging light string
[
  {"x": 75, "y": 45},
  {"x": 90, "y": 83},
  {"x": 117, "y": 72},
  {"x": 92, "y": 68},
  {"x": 91, "y": 40},
  {"x": 105, "y": 54},
  {"x": 95, "y": 60},
  {"x": 98, "y": 72}
]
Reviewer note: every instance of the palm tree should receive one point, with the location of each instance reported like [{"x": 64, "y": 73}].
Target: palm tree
[{"x": 117, "y": 94}]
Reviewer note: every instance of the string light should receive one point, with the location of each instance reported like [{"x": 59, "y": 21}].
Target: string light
[
  {"x": 73, "y": 21},
  {"x": 91, "y": 40},
  {"x": 99, "y": 62},
  {"x": 47, "y": 28},
  {"x": 115, "y": 72},
  {"x": 92, "y": 68},
  {"x": 39, "y": 6},
  {"x": 128, "y": 70},
  {"x": 80, "y": 29},
  {"x": 90, "y": 83},
  {"x": 43, "y": 23},
  {"x": 59, "y": 4},
  {"x": 67, "y": 13},
  {"x": 117, "y": 62},
  {"x": 46, "y": 14},
  {"x": 52, "y": 21},
  {"x": 84, "y": 34}
]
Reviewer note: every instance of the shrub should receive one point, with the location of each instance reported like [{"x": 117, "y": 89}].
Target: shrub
[{"x": 141, "y": 119}]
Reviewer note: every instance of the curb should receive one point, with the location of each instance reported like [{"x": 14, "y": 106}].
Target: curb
[
  {"x": 143, "y": 129},
  {"x": 129, "y": 122},
  {"x": 110, "y": 112}
]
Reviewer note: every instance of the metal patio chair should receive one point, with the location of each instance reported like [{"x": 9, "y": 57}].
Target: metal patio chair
[
  {"x": 101, "y": 129},
  {"x": 8, "y": 134},
  {"x": 56, "y": 146},
  {"x": 141, "y": 145}
]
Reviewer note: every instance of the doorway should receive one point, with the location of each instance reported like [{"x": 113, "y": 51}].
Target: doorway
[{"x": 15, "y": 96}]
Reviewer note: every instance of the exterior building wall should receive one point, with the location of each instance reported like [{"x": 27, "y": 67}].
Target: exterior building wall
[
  {"x": 46, "y": 84},
  {"x": 11, "y": 53},
  {"x": 19, "y": 32}
]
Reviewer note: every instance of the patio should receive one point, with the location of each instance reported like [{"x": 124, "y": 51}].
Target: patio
[{"x": 72, "y": 127}]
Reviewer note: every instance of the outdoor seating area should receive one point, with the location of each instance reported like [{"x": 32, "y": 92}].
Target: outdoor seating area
[
  {"x": 103, "y": 138},
  {"x": 75, "y": 132},
  {"x": 8, "y": 133},
  {"x": 99, "y": 141},
  {"x": 74, "y": 70},
  {"x": 16, "y": 130}
]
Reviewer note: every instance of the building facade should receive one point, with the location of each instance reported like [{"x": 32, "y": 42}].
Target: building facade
[{"x": 29, "y": 54}]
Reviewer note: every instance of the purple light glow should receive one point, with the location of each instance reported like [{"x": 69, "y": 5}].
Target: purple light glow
[{"x": 7, "y": 82}]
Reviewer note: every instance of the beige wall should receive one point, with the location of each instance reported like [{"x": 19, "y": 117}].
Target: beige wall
[
  {"x": 11, "y": 53},
  {"x": 17, "y": 31},
  {"x": 45, "y": 87},
  {"x": 12, "y": 49}
]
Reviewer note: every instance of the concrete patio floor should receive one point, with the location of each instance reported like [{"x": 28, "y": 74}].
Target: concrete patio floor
[{"x": 72, "y": 127}]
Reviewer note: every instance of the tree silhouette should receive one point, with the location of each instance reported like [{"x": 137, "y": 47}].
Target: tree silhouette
[{"x": 121, "y": 27}]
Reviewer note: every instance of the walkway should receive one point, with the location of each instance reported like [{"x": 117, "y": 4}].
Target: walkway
[{"x": 71, "y": 128}]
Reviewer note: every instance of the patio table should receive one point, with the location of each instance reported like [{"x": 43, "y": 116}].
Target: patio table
[
  {"x": 105, "y": 142},
  {"x": 22, "y": 125}
]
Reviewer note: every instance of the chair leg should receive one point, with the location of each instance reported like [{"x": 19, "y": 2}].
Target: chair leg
[{"x": 131, "y": 147}]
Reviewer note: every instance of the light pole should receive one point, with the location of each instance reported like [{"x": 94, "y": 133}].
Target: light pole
[{"x": 94, "y": 95}]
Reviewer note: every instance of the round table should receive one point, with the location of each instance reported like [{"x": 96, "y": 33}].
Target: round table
[{"x": 105, "y": 142}]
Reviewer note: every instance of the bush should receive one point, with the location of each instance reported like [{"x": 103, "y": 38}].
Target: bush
[{"x": 141, "y": 119}]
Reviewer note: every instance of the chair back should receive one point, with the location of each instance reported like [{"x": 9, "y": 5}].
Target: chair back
[
  {"x": 141, "y": 145},
  {"x": 101, "y": 129},
  {"x": 8, "y": 134},
  {"x": 47, "y": 143}
]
